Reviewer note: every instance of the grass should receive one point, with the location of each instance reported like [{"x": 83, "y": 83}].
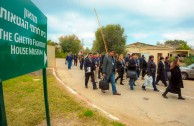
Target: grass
[{"x": 24, "y": 103}]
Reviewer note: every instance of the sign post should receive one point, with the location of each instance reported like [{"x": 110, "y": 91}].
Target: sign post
[
  {"x": 46, "y": 97},
  {"x": 2, "y": 107},
  {"x": 23, "y": 45}
]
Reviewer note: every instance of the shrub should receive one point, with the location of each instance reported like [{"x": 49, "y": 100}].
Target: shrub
[
  {"x": 189, "y": 60},
  {"x": 61, "y": 55}
]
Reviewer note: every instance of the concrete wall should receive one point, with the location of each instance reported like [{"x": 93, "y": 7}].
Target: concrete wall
[{"x": 51, "y": 56}]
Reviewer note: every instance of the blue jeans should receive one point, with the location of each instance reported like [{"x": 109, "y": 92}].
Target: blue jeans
[
  {"x": 69, "y": 64},
  {"x": 154, "y": 83},
  {"x": 131, "y": 83},
  {"x": 112, "y": 79}
]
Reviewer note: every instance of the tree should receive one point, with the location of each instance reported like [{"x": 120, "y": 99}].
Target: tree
[
  {"x": 159, "y": 43},
  {"x": 86, "y": 51},
  {"x": 114, "y": 37},
  {"x": 189, "y": 60},
  {"x": 183, "y": 46},
  {"x": 50, "y": 42},
  {"x": 178, "y": 44},
  {"x": 70, "y": 43}
]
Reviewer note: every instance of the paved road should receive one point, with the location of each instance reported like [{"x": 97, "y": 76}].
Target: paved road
[{"x": 136, "y": 108}]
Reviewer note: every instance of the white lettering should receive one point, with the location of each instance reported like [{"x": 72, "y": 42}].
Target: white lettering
[
  {"x": 35, "y": 29},
  {"x": 33, "y": 51},
  {"x": 21, "y": 39},
  {"x": 39, "y": 44},
  {"x": 11, "y": 17},
  {"x": 3, "y": 13},
  {"x": 5, "y": 35},
  {"x": 43, "y": 34},
  {"x": 15, "y": 50},
  {"x": 31, "y": 16}
]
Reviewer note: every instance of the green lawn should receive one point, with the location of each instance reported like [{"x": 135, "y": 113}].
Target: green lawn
[{"x": 25, "y": 104}]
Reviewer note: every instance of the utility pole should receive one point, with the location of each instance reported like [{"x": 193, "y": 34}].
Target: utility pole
[{"x": 101, "y": 31}]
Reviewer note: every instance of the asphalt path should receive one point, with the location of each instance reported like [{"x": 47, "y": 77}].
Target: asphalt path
[{"x": 137, "y": 107}]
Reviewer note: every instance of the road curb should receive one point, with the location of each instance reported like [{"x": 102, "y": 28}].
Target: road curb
[{"x": 84, "y": 99}]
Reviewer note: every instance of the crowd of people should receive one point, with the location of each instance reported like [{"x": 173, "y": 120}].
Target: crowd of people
[{"x": 107, "y": 66}]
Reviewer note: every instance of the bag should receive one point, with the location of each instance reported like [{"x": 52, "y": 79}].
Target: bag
[
  {"x": 148, "y": 81},
  {"x": 131, "y": 74},
  {"x": 103, "y": 84}
]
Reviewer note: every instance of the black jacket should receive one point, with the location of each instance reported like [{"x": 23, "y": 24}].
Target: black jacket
[
  {"x": 132, "y": 65},
  {"x": 88, "y": 63},
  {"x": 151, "y": 68},
  {"x": 161, "y": 71},
  {"x": 144, "y": 64},
  {"x": 176, "y": 78},
  {"x": 167, "y": 66},
  {"x": 161, "y": 68},
  {"x": 120, "y": 66}
]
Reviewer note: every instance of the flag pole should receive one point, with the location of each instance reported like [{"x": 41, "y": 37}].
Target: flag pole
[{"x": 101, "y": 31}]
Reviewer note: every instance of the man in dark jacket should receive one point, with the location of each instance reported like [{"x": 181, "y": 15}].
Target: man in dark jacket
[
  {"x": 81, "y": 60},
  {"x": 100, "y": 66},
  {"x": 167, "y": 68},
  {"x": 127, "y": 58},
  {"x": 109, "y": 70},
  {"x": 151, "y": 71},
  {"x": 143, "y": 67},
  {"x": 75, "y": 59},
  {"x": 132, "y": 66},
  {"x": 97, "y": 64},
  {"x": 69, "y": 59},
  {"x": 161, "y": 73},
  {"x": 89, "y": 67}
]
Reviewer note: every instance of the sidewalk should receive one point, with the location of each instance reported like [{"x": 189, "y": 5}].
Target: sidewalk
[{"x": 136, "y": 108}]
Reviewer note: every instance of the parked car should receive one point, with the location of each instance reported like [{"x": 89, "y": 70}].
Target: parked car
[{"x": 187, "y": 72}]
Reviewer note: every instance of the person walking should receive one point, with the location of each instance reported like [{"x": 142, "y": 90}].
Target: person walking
[
  {"x": 75, "y": 59},
  {"x": 120, "y": 66},
  {"x": 132, "y": 66},
  {"x": 81, "y": 60},
  {"x": 100, "y": 66},
  {"x": 109, "y": 70},
  {"x": 151, "y": 71},
  {"x": 97, "y": 64},
  {"x": 127, "y": 58},
  {"x": 143, "y": 67},
  {"x": 141, "y": 61},
  {"x": 176, "y": 82},
  {"x": 161, "y": 72},
  {"x": 167, "y": 68},
  {"x": 138, "y": 70},
  {"x": 69, "y": 59},
  {"x": 89, "y": 67}
]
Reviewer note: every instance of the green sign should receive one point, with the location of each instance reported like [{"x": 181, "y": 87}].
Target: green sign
[{"x": 23, "y": 38}]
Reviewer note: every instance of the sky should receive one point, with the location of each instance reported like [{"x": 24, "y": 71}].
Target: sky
[{"x": 147, "y": 21}]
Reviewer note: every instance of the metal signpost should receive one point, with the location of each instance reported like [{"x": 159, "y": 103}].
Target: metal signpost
[{"x": 23, "y": 45}]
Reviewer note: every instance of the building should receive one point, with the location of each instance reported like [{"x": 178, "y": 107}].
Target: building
[{"x": 156, "y": 50}]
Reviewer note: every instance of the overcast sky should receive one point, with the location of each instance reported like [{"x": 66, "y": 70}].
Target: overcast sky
[{"x": 148, "y": 21}]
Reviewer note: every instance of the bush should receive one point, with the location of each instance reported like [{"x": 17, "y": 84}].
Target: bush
[
  {"x": 61, "y": 55},
  {"x": 189, "y": 60},
  {"x": 171, "y": 59}
]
